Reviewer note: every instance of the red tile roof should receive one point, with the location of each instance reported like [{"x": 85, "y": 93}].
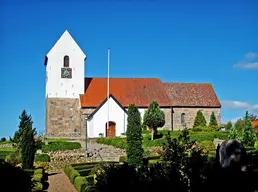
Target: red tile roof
[
  {"x": 192, "y": 95},
  {"x": 138, "y": 91},
  {"x": 255, "y": 123}
]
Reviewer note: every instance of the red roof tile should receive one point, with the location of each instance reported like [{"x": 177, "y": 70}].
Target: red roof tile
[
  {"x": 255, "y": 123},
  {"x": 192, "y": 95},
  {"x": 138, "y": 91}
]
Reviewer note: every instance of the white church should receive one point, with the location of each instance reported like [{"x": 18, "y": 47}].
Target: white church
[{"x": 75, "y": 103}]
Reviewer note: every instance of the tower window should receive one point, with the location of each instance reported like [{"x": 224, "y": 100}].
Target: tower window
[
  {"x": 66, "y": 61},
  {"x": 183, "y": 118}
]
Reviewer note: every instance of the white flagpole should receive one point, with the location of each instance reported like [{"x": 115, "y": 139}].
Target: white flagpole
[{"x": 108, "y": 89}]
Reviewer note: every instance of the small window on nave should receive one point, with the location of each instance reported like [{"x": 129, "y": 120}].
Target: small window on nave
[
  {"x": 183, "y": 118},
  {"x": 66, "y": 61}
]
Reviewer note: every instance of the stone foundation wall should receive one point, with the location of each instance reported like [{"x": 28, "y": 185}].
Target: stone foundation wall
[
  {"x": 63, "y": 117},
  {"x": 190, "y": 114}
]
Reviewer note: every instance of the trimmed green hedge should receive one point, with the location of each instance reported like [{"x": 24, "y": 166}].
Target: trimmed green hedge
[
  {"x": 73, "y": 174},
  {"x": 42, "y": 158},
  {"x": 37, "y": 179},
  {"x": 60, "y": 146},
  {"x": 80, "y": 183}
]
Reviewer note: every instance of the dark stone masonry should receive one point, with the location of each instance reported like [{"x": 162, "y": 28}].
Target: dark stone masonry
[{"x": 63, "y": 117}]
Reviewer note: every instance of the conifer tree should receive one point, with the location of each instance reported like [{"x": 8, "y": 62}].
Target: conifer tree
[
  {"x": 24, "y": 119},
  {"x": 213, "y": 120},
  {"x": 26, "y": 142},
  {"x": 199, "y": 120},
  {"x": 134, "y": 148}
]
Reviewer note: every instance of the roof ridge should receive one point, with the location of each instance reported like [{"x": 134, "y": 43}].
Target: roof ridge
[
  {"x": 122, "y": 78},
  {"x": 187, "y": 83}
]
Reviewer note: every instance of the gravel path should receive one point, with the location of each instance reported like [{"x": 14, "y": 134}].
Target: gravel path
[{"x": 59, "y": 182}]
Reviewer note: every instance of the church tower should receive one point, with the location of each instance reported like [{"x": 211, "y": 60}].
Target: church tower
[{"x": 64, "y": 83}]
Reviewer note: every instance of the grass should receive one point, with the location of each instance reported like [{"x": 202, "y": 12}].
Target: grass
[
  {"x": 147, "y": 143},
  {"x": 60, "y": 146},
  {"x": 58, "y": 139}
]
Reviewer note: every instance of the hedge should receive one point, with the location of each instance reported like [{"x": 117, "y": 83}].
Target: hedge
[
  {"x": 42, "y": 158},
  {"x": 73, "y": 174},
  {"x": 60, "y": 146},
  {"x": 67, "y": 169},
  {"x": 80, "y": 183},
  {"x": 38, "y": 179}
]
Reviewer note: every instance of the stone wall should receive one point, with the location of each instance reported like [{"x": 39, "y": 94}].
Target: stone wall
[
  {"x": 167, "y": 112},
  {"x": 190, "y": 114},
  {"x": 63, "y": 117}
]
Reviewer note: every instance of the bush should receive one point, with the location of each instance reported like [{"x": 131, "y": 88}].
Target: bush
[
  {"x": 213, "y": 120},
  {"x": 256, "y": 145},
  {"x": 67, "y": 169},
  {"x": 208, "y": 145},
  {"x": 60, "y": 146},
  {"x": 80, "y": 183},
  {"x": 44, "y": 165},
  {"x": 42, "y": 158},
  {"x": 122, "y": 158},
  {"x": 39, "y": 170},
  {"x": 90, "y": 179},
  {"x": 37, "y": 186},
  {"x": 37, "y": 177},
  {"x": 3, "y": 139},
  {"x": 243, "y": 131},
  {"x": 199, "y": 120},
  {"x": 73, "y": 174},
  {"x": 13, "y": 159},
  {"x": 116, "y": 142},
  {"x": 205, "y": 129}
]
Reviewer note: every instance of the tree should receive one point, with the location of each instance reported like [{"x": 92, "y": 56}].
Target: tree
[
  {"x": 134, "y": 148},
  {"x": 243, "y": 131},
  {"x": 228, "y": 126},
  {"x": 17, "y": 138},
  {"x": 154, "y": 118},
  {"x": 248, "y": 134},
  {"x": 199, "y": 120},
  {"x": 253, "y": 117},
  {"x": 25, "y": 140},
  {"x": 213, "y": 120}
]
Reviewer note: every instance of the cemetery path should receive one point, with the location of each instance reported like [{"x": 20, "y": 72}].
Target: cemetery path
[{"x": 59, "y": 182}]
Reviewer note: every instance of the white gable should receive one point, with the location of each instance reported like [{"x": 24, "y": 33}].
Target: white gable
[
  {"x": 97, "y": 123},
  {"x": 66, "y": 43},
  {"x": 57, "y": 86}
]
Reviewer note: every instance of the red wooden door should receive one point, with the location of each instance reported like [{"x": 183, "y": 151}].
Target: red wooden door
[{"x": 111, "y": 131}]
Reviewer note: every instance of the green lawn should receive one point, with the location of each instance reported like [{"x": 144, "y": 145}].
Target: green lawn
[{"x": 147, "y": 143}]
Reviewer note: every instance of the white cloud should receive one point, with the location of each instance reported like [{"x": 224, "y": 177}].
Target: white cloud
[
  {"x": 249, "y": 61},
  {"x": 251, "y": 55},
  {"x": 252, "y": 65},
  {"x": 233, "y": 121},
  {"x": 239, "y": 105}
]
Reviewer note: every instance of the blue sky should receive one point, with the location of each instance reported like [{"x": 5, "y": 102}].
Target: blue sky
[{"x": 178, "y": 41}]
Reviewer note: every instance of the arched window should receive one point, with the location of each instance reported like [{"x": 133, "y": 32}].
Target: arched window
[
  {"x": 66, "y": 61},
  {"x": 183, "y": 118}
]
